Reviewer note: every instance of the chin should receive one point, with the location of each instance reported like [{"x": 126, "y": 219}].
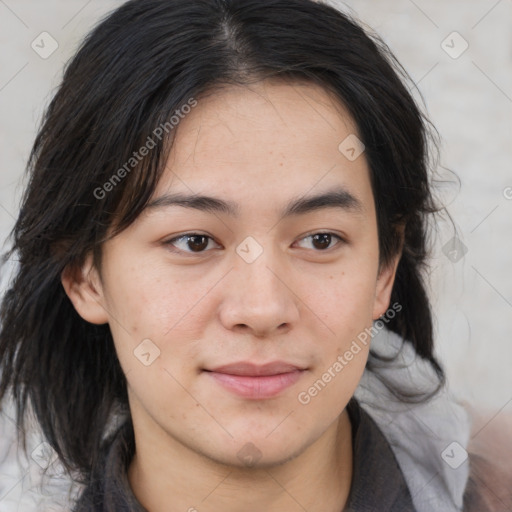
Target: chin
[
  {"x": 253, "y": 452},
  {"x": 251, "y": 457}
]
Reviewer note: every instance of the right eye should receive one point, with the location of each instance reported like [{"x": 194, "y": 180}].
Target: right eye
[{"x": 191, "y": 243}]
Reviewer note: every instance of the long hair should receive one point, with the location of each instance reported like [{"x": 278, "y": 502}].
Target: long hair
[{"x": 133, "y": 73}]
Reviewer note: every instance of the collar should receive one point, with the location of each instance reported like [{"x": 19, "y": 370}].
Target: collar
[{"x": 378, "y": 484}]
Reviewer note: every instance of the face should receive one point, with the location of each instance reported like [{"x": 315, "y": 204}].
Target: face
[{"x": 234, "y": 316}]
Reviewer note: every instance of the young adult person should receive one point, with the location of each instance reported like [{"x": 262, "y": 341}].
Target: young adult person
[{"x": 227, "y": 201}]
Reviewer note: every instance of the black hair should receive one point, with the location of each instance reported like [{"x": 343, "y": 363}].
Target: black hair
[{"x": 132, "y": 73}]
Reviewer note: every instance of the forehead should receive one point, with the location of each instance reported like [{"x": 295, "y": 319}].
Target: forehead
[{"x": 270, "y": 140}]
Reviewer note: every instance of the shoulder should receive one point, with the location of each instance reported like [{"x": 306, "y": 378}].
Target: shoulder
[
  {"x": 429, "y": 437},
  {"x": 490, "y": 461},
  {"x": 453, "y": 457},
  {"x": 377, "y": 480},
  {"x": 31, "y": 480}
]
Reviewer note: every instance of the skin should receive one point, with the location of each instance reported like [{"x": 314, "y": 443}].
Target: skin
[{"x": 259, "y": 147}]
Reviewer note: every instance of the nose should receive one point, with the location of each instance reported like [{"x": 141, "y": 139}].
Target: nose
[{"x": 257, "y": 299}]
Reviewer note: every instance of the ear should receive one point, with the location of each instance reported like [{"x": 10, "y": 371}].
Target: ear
[
  {"x": 84, "y": 288},
  {"x": 385, "y": 281}
]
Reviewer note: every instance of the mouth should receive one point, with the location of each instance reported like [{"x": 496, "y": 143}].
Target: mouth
[{"x": 256, "y": 382}]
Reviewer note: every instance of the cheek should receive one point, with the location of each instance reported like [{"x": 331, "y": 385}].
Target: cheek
[
  {"x": 156, "y": 322},
  {"x": 345, "y": 300},
  {"x": 349, "y": 317},
  {"x": 149, "y": 300},
  {"x": 158, "y": 352},
  {"x": 346, "y": 308}
]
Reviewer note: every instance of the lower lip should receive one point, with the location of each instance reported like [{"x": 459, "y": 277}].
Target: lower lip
[{"x": 265, "y": 386}]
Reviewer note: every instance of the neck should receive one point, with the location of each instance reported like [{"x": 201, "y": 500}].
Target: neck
[{"x": 196, "y": 483}]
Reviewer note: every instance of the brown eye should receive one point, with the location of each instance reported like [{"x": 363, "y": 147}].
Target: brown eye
[
  {"x": 320, "y": 241},
  {"x": 192, "y": 243},
  {"x": 197, "y": 243}
]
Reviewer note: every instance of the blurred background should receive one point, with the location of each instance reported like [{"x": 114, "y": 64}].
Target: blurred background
[{"x": 459, "y": 56}]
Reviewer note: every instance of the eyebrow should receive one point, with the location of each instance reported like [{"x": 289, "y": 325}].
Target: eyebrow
[{"x": 336, "y": 198}]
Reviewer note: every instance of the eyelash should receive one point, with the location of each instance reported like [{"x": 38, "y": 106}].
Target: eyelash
[{"x": 170, "y": 243}]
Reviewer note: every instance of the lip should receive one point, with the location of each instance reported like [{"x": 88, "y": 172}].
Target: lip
[{"x": 256, "y": 382}]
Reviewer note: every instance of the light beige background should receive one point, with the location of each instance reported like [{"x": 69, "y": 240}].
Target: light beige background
[{"x": 469, "y": 99}]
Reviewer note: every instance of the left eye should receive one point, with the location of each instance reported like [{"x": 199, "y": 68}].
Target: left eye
[
  {"x": 320, "y": 241},
  {"x": 191, "y": 242}
]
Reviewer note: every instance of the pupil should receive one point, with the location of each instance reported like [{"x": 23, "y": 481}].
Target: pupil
[
  {"x": 197, "y": 242},
  {"x": 322, "y": 240}
]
